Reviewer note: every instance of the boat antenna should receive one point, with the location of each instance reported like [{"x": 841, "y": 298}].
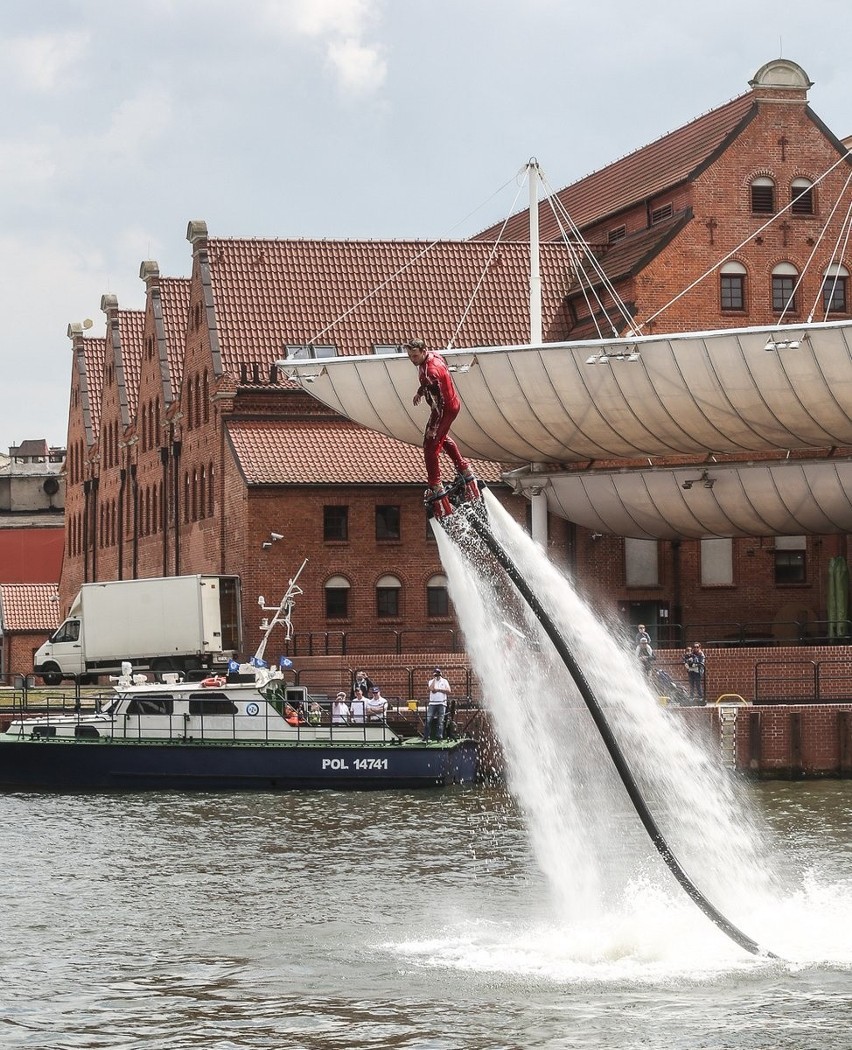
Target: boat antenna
[{"x": 283, "y": 613}]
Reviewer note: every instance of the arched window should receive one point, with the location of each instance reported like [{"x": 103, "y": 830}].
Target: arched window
[
  {"x": 186, "y": 497},
  {"x": 202, "y": 493},
  {"x": 802, "y": 197},
  {"x": 784, "y": 278},
  {"x": 144, "y": 428},
  {"x": 197, "y": 402},
  {"x": 437, "y": 598},
  {"x": 337, "y": 598},
  {"x": 732, "y": 286},
  {"x": 388, "y": 592},
  {"x": 211, "y": 490},
  {"x": 155, "y": 508},
  {"x": 835, "y": 290},
  {"x": 195, "y": 495},
  {"x": 205, "y": 397},
  {"x": 763, "y": 195},
  {"x": 189, "y": 404}
]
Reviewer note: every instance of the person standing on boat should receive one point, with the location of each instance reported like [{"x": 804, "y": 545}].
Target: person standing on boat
[
  {"x": 436, "y": 710},
  {"x": 439, "y": 390},
  {"x": 340, "y": 710},
  {"x": 362, "y": 682},
  {"x": 358, "y": 712},
  {"x": 694, "y": 664},
  {"x": 377, "y": 706}
]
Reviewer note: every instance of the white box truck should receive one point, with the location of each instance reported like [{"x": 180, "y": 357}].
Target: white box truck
[{"x": 170, "y": 623}]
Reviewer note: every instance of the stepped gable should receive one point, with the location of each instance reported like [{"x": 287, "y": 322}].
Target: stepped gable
[
  {"x": 269, "y": 294},
  {"x": 673, "y": 159},
  {"x": 174, "y": 296},
  {"x": 29, "y": 606},
  {"x": 328, "y": 453}
]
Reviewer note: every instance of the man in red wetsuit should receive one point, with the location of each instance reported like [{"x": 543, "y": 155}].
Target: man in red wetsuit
[{"x": 436, "y": 385}]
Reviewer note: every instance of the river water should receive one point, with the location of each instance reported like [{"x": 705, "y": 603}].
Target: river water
[
  {"x": 410, "y": 920},
  {"x": 532, "y": 916}
]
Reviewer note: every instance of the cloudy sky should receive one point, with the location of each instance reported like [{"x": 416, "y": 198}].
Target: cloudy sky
[{"x": 328, "y": 118}]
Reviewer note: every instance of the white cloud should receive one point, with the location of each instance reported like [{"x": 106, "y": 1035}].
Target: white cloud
[
  {"x": 342, "y": 26},
  {"x": 44, "y": 62},
  {"x": 360, "y": 69}
]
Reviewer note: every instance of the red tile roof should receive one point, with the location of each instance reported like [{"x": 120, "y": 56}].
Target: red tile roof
[
  {"x": 29, "y": 607},
  {"x": 131, "y": 325},
  {"x": 94, "y": 352},
  {"x": 328, "y": 453},
  {"x": 272, "y": 293},
  {"x": 646, "y": 172},
  {"x": 174, "y": 296}
]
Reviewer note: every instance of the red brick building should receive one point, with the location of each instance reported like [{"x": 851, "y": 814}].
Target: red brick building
[{"x": 188, "y": 449}]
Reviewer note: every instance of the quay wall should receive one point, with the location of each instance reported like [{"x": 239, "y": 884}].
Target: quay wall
[{"x": 795, "y": 719}]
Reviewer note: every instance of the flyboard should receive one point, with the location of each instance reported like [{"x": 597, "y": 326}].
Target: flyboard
[{"x": 468, "y": 514}]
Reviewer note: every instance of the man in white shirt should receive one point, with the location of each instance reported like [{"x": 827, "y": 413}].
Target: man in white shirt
[
  {"x": 340, "y": 709},
  {"x": 377, "y": 706},
  {"x": 436, "y": 711}
]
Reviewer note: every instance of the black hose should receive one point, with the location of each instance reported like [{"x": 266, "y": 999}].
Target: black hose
[{"x": 484, "y": 532}]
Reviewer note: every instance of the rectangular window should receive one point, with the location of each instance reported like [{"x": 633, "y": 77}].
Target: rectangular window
[
  {"x": 641, "y": 563},
  {"x": 437, "y": 601},
  {"x": 383, "y": 349},
  {"x": 387, "y": 523},
  {"x": 661, "y": 214},
  {"x": 790, "y": 559},
  {"x": 717, "y": 563},
  {"x": 783, "y": 292},
  {"x": 387, "y": 601},
  {"x": 732, "y": 289},
  {"x": 336, "y": 603},
  {"x": 335, "y": 523},
  {"x": 834, "y": 295}
]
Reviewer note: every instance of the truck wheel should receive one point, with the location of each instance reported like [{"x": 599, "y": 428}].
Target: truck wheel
[{"x": 51, "y": 675}]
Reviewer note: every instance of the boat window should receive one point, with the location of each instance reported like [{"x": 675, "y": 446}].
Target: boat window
[
  {"x": 86, "y": 732},
  {"x": 217, "y": 704},
  {"x": 44, "y": 731},
  {"x": 150, "y": 705}
]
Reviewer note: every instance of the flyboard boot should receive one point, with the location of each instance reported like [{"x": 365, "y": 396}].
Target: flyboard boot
[{"x": 437, "y": 502}]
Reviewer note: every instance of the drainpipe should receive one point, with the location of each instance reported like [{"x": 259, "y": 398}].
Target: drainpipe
[
  {"x": 538, "y": 499},
  {"x": 121, "y": 491},
  {"x": 176, "y": 447}
]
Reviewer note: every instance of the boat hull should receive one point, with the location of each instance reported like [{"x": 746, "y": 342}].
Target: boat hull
[{"x": 79, "y": 765}]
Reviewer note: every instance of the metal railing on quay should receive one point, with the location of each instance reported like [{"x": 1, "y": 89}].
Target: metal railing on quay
[
  {"x": 382, "y": 640},
  {"x": 756, "y": 633}
]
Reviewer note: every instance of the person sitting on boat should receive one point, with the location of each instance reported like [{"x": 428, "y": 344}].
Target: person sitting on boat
[
  {"x": 291, "y": 715},
  {"x": 437, "y": 386},
  {"x": 340, "y": 710},
  {"x": 377, "y": 706},
  {"x": 314, "y": 714},
  {"x": 358, "y": 711}
]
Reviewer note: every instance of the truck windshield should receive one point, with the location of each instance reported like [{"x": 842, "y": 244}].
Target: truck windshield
[{"x": 67, "y": 632}]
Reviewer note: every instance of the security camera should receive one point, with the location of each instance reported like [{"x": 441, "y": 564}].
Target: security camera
[
  {"x": 276, "y": 536},
  {"x": 686, "y": 485}
]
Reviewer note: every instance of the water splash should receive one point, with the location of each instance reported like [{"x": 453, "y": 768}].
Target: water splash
[{"x": 586, "y": 839}]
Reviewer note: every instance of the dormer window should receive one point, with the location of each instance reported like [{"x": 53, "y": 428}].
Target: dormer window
[
  {"x": 662, "y": 213},
  {"x": 802, "y": 197},
  {"x": 763, "y": 196},
  {"x": 308, "y": 352},
  {"x": 616, "y": 234}
]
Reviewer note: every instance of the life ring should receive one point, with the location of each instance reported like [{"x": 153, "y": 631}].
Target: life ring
[{"x": 213, "y": 681}]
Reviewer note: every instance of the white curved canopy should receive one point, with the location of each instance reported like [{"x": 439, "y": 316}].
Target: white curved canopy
[{"x": 753, "y": 390}]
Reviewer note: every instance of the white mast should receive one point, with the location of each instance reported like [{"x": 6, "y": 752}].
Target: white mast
[{"x": 535, "y": 270}]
